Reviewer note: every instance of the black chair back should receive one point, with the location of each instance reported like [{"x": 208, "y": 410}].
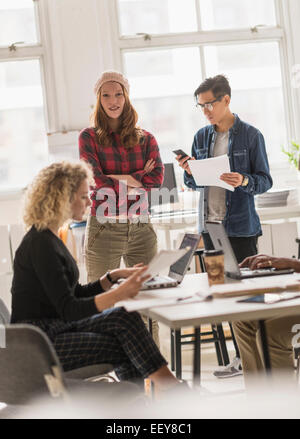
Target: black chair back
[{"x": 27, "y": 360}]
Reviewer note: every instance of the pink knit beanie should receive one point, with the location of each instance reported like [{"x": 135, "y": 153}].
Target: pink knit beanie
[{"x": 111, "y": 75}]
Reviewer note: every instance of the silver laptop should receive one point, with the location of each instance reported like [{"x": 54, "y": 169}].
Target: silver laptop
[
  {"x": 179, "y": 268},
  {"x": 221, "y": 242}
]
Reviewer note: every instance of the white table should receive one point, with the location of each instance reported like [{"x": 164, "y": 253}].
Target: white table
[
  {"x": 180, "y": 221},
  {"x": 215, "y": 312},
  {"x": 280, "y": 212},
  {"x": 185, "y": 220}
]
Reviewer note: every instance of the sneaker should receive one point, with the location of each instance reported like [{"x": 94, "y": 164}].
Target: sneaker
[{"x": 231, "y": 370}]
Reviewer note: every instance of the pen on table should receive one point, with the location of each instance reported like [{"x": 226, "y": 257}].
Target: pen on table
[
  {"x": 183, "y": 298},
  {"x": 204, "y": 298}
]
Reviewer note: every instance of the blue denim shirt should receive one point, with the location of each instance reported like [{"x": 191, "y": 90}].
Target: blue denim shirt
[{"x": 247, "y": 155}]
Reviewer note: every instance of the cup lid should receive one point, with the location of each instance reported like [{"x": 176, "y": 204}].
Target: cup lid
[{"x": 213, "y": 252}]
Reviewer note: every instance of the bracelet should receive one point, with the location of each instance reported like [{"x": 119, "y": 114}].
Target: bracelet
[{"x": 109, "y": 278}]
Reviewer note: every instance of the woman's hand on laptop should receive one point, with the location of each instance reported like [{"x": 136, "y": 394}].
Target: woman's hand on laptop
[
  {"x": 132, "y": 285},
  {"x": 124, "y": 273},
  {"x": 266, "y": 261}
]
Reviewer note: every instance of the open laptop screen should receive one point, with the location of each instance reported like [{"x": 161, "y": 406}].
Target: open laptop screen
[
  {"x": 220, "y": 241},
  {"x": 189, "y": 240}
]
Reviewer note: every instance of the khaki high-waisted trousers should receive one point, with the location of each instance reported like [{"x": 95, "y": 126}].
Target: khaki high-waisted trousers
[{"x": 106, "y": 243}]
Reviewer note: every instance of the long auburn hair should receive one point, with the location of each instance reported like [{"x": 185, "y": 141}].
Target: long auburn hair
[{"x": 129, "y": 132}]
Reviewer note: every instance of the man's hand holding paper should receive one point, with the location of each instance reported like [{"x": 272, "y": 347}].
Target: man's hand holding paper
[
  {"x": 208, "y": 172},
  {"x": 232, "y": 178}
]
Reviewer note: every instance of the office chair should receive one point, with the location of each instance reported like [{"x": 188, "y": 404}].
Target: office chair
[
  {"x": 30, "y": 369},
  {"x": 90, "y": 373}
]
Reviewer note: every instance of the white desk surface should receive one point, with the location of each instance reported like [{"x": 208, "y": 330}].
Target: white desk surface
[
  {"x": 180, "y": 218},
  {"x": 265, "y": 214},
  {"x": 280, "y": 212},
  {"x": 217, "y": 310}
]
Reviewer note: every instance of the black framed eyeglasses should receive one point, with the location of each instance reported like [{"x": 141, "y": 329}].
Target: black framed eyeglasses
[{"x": 209, "y": 105}]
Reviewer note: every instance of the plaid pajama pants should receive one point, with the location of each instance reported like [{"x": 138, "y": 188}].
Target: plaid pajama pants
[{"x": 113, "y": 336}]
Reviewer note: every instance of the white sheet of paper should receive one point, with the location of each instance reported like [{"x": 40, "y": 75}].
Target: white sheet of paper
[
  {"x": 164, "y": 259},
  {"x": 207, "y": 172},
  {"x": 154, "y": 299}
]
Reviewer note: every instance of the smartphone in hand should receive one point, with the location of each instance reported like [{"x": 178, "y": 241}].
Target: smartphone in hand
[{"x": 180, "y": 152}]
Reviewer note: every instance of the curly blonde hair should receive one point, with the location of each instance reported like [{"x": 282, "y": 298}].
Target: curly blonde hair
[
  {"x": 130, "y": 133},
  {"x": 48, "y": 198}
]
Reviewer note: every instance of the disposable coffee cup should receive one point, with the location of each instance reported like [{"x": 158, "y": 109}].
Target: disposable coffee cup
[{"x": 214, "y": 265}]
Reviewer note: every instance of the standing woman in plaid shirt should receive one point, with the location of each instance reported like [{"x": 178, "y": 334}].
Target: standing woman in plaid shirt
[{"x": 126, "y": 165}]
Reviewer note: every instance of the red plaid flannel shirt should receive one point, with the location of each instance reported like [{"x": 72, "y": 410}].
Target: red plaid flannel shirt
[{"x": 117, "y": 160}]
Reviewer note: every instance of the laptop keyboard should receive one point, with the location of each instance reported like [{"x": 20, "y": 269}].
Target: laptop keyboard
[
  {"x": 159, "y": 279},
  {"x": 262, "y": 271},
  {"x": 258, "y": 271}
]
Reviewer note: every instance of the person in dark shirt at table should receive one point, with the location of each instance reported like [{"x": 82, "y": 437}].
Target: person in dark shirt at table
[{"x": 79, "y": 319}]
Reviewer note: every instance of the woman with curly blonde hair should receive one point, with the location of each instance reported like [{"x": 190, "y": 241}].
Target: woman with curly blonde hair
[
  {"x": 80, "y": 320},
  {"x": 126, "y": 165},
  {"x": 46, "y": 200}
]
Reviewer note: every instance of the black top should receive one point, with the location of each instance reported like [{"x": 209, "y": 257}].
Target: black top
[{"x": 45, "y": 282}]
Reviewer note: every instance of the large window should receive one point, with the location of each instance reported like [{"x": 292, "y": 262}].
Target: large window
[
  {"x": 168, "y": 47},
  {"x": 161, "y": 92},
  {"x": 257, "y": 96},
  {"x": 157, "y": 16},
  {"x": 17, "y": 22},
  {"x": 230, "y": 14},
  {"x": 23, "y": 146}
]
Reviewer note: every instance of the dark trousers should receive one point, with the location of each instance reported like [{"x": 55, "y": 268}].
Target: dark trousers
[
  {"x": 242, "y": 248},
  {"x": 113, "y": 336}
]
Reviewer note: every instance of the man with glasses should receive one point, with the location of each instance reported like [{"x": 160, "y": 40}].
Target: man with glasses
[{"x": 250, "y": 173}]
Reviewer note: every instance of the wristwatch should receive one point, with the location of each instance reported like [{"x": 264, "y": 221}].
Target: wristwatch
[
  {"x": 245, "y": 181},
  {"x": 109, "y": 278}
]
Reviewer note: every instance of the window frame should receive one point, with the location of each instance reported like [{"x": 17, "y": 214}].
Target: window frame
[
  {"x": 40, "y": 51},
  {"x": 281, "y": 33}
]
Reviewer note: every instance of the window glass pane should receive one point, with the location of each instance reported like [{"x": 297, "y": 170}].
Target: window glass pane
[
  {"x": 226, "y": 14},
  {"x": 23, "y": 146},
  {"x": 162, "y": 84},
  {"x": 157, "y": 16},
  {"x": 254, "y": 73},
  {"x": 17, "y": 22}
]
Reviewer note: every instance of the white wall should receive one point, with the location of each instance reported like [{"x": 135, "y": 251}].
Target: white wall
[
  {"x": 11, "y": 208},
  {"x": 81, "y": 50}
]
